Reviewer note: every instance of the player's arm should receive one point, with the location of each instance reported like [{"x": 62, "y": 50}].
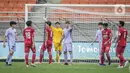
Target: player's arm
[
  {"x": 46, "y": 38},
  {"x": 4, "y": 41},
  {"x": 95, "y": 38},
  {"x": 33, "y": 42},
  {"x": 62, "y": 37}
]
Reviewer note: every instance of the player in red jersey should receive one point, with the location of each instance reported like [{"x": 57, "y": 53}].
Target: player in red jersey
[
  {"x": 29, "y": 43},
  {"x": 47, "y": 44},
  {"x": 106, "y": 44},
  {"x": 121, "y": 44}
]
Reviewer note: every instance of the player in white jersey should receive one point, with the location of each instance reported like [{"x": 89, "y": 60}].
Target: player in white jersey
[
  {"x": 98, "y": 36},
  {"x": 10, "y": 36}
]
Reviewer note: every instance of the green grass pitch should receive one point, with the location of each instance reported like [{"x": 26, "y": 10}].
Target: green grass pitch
[{"x": 19, "y": 67}]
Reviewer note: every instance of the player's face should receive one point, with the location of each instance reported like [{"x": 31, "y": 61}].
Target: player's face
[
  {"x": 14, "y": 25},
  {"x": 67, "y": 25},
  {"x": 100, "y": 26},
  {"x": 119, "y": 25},
  {"x": 58, "y": 25}
]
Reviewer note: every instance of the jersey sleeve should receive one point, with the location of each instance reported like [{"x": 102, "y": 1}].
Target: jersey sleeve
[
  {"x": 7, "y": 32},
  {"x": 96, "y": 34},
  {"x": 33, "y": 33},
  {"x": 53, "y": 28}
]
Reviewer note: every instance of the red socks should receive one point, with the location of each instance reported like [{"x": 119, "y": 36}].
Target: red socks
[
  {"x": 41, "y": 57},
  {"x": 26, "y": 59},
  {"x": 33, "y": 58},
  {"x": 50, "y": 59}
]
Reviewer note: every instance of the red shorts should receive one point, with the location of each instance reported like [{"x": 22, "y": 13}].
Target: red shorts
[
  {"x": 48, "y": 46},
  {"x": 27, "y": 49},
  {"x": 105, "y": 48},
  {"x": 120, "y": 49}
]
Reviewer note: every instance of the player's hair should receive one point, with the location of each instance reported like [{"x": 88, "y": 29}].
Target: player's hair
[
  {"x": 12, "y": 23},
  {"x": 49, "y": 23},
  {"x": 67, "y": 22},
  {"x": 100, "y": 23},
  {"x": 105, "y": 24},
  {"x": 57, "y": 23},
  {"x": 29, "y": 23},
  {"x": 121, "y": 23}
]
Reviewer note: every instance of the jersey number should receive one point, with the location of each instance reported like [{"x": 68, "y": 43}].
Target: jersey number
[{"x": 28, "y": 36}]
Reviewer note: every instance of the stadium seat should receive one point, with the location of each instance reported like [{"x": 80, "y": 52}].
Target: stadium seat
[
  {"x": 84, "y": 1},
  {"x": 127, "y": 2},
  {"x": 10, "y": 5},
  {"x": 111, "y": 1},
  {"x": 102, "y": 1},
  {"x": 65, "y": 1},
  {"x": 31, "y": 1},
  {"x": 75, "y": 1},
  {"x": 1, "y": 5},
  {"x": 93, "y": 1},
  {"x": 3, "y": 1},
  {"x": 120, "y": 1}
]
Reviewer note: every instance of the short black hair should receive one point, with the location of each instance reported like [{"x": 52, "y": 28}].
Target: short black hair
[
  {"x": 105, "y": 24},
  {"x": 100, "y": 23},
  {"x": 12, "y": 23},
  {"x": 122, "y": 23},
  {"x": 49, "y": 23},
  {"x": 29, "y": 23},
  {"x": 57, "y": 23},
  {"x": 67, "y": 22}
]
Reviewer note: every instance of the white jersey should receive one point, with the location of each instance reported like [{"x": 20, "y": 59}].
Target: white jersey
[{"x": 99, "y": 35}]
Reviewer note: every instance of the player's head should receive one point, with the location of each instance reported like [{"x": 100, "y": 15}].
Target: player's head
[
  {"x": 13, "y": 23},
  {"x": 57, "y": 24},
  {"x": 105, "y": 25},
  {"x": 48, "y": 24},
  {"x": 29, "y": 23},
  {"x": 67, "y": 24},
  {"x": 121, "y": 23},
  {"x": 100, "y": 25}
]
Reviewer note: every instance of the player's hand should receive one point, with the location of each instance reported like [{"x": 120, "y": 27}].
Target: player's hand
[
  {"x": 45, "y": 19},
  {"x": 4, "y": 45}
]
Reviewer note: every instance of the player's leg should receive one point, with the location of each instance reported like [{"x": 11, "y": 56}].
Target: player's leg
[
  {"x": 42, "y": 53},
  {"x": 26, "y": 50},
  {"x": 65, "y": 54},
  {"x": 57, "y": 52},
  {"x": 60, "y": 51},
  {"x": 100, "y": 47},
  {"x": 11, "y": 53},
  {"x": 33, "y": 56},
  {"x": 49, "y": 48},
  {"x": 102, "y": 57},
  {"x": 9, "y": 58},
  {"x": 69, "y": 48},
  {"x": 118, "y": 54},
  {"x": 125, "y": 62},
  {"x": 107, "y": 49}
]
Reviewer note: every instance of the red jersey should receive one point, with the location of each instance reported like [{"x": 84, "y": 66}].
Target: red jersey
[
  {"x": 28, "y": 34},
  {"x": 49, "y": 31},
  {"x": 122, "y": 36},
  {"x": 106, "y": 35}
]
